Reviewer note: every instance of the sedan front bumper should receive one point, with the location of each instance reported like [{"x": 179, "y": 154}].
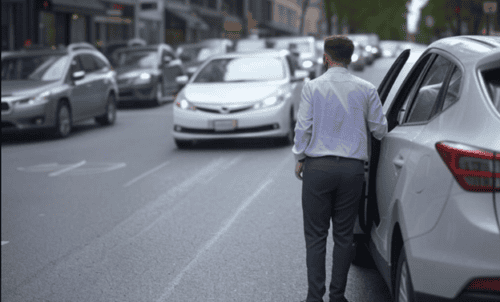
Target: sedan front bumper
[{"x": 199, "y": 125}]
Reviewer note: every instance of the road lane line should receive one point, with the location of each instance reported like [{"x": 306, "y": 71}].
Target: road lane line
[
  {"x": 4, "y": 242},
  {"x": 68, "y": 168},
  {"x": 222, "y": 231},
  {"x": 146, "y": 174}
]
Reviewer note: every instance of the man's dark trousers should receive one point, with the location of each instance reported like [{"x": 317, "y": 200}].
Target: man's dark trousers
[{"x": 331, "y": 189}]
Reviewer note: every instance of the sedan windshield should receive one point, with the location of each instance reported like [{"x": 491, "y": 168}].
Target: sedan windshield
[
  {"x": 302, "y": 47},
  {"x": 36, "y": 67},
  {"x": 196, "y": 53},
  {"x": 137, "y": 58},
  {"x": 247, "y": 69}
]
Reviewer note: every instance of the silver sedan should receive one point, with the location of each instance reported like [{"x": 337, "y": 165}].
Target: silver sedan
[{"x": 239, "y": 95}]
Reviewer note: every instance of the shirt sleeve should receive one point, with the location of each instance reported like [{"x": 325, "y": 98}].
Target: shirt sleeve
[
  {"x": 303, "y": 127},
  {"x": 377, "y": 122}
]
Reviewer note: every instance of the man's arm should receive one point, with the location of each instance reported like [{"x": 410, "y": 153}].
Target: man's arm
[
  {"x": 303, "y": 127},
  {"x": 377, "y": 122}
]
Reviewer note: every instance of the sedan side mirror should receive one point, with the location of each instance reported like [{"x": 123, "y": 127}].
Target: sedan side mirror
[
  {"x": 182, "y": 80},
  {"x": 78, "y": 75}
]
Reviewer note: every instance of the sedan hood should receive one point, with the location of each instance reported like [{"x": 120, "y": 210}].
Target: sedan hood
[
  {"x": 26, "y": 87},
  {"x": 132, "y": 72},
  {"x": 229, "y": 93}
]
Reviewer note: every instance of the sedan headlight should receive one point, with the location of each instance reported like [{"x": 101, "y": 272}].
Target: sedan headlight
[
  {"x": 354, "y": 57},
  {"x": 307, "y": 64},
  {"x": 42, "y": 98},
  {"x": 185, "y": 104},
  {"x": 269, "y": 102},
  {"x": 143, "y": 78}
]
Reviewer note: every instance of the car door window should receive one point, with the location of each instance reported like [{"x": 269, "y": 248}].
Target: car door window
[
  {"x": 451, "y": 95},
  {"x": 74, "y": 66},
  {"x": 424, "y": 102},
  {"x": 88, "y": 63},
  {"x": 99, "y": 63}
]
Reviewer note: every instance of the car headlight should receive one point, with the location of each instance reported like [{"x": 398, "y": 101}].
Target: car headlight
[
  {"x": 184, "y": 104},
  {"x": 307, "y": 64},
  {"x": 354, "y": 57},
  {"x": 42, "y": 98},
  {"x": 143, "y": 78},
  {"x": 269, "y": 102}
]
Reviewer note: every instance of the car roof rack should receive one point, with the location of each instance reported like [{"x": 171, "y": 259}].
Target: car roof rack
[{"x": 80, "y": 46}]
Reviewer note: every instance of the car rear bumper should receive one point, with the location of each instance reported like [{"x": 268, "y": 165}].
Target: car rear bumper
[
  {"x": 197, "y": 125},
  {"x": 462, "y": 246},
  {"x": 464, "y": 297}
]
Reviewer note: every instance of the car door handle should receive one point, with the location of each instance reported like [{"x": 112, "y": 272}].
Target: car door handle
[{"x": 399, "y": 162}]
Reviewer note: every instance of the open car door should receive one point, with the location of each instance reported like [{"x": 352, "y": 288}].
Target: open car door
[{"x": 368, "y": 209}]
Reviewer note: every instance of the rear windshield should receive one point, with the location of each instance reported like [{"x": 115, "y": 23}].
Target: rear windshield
[{"x": 492, "y": 82}]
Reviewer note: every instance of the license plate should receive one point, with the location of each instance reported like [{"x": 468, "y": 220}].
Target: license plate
[{"x": 225, "y": 125}]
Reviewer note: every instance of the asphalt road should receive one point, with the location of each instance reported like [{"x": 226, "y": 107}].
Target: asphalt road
[{"x": 120, "y": 214}]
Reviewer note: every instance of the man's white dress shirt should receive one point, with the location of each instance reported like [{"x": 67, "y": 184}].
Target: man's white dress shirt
[{"x": 336, "y": 113}]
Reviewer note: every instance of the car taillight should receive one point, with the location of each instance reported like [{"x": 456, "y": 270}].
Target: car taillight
[
  {"x": 485, "y": 284},
  {"x": 474, "y": 169}
]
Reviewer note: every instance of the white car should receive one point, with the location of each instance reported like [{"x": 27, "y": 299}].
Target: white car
[
  {"x": 432, "y": 216},
  {"x": 239, "y": 95}
]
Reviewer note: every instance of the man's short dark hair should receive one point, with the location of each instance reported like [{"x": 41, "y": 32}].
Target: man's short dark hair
[{"x": 340, "y": 48}]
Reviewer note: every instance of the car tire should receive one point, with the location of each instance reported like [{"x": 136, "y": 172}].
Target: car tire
[
  {"x": 403, "y": 289},
  {"x": 362, "y": 257},
  {"x": 109, "y": 117},
  {"x": 182, "y": 144},
  {"x": 159, "y": 93},
  {"x": 288, "y": 139},
  {"x": 64, "y": 121}
]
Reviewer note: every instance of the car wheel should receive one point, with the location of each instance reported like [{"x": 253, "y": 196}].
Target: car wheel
[
  {"x": 183, "y": 144},
  {"x": 109, "y": 117},
  {"x": 63, "y": 120},
  {"x": 288, "y": 139},
  {"x": 159, "y": 94},
  {"x": 403, "y": 291},
  {"x": 362, "y": 257}
]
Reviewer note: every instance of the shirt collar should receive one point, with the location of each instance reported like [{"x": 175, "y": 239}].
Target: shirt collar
[{"x": 337, "y": 69}]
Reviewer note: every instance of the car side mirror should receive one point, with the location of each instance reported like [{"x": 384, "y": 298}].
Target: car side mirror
[
  {"x": 182, "y": 80},
  {"x": 300, "y": 75},
  {"x": 166, "y": 60},
  {"x": 78, "y": 75}
]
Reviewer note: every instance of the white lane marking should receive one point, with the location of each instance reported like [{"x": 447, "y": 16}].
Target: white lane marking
[
  {"x": 4, "y": 242},
  {"x": 221, "y": 232},
  {"x": 71, "y": 167},
  {"x": 145, "y": 174},
  {"x": 40, "y": 168}
]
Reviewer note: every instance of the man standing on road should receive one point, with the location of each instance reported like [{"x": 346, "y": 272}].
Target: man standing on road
[{"x": 337, "y": 113}]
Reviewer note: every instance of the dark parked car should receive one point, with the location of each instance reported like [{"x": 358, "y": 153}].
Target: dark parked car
[
  {"x": 52, "y": 89},
  {"x": 147, "y": 73},
  {"x": 193, "y": 55}
]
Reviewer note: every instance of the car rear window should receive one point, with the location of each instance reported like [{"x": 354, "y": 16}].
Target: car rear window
[{"x": 492, "y": 82}]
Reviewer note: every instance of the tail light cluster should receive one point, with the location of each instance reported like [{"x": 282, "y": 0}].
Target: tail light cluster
[
  {"x": 485, "y": 284},
  {"x": 475, "y": 169}
]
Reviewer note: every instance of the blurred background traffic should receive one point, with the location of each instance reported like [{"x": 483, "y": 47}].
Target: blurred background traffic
[{"x": 147, "y": 45}]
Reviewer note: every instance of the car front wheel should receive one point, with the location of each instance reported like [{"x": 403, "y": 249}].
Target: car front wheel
[
  {"x": 403, "y": 291},
  {"x": 63, "y": 120},
  {"x": 109, "y": 117}
]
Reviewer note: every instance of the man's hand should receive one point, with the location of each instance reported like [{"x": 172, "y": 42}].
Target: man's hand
[{"x": 298, "y": 170}]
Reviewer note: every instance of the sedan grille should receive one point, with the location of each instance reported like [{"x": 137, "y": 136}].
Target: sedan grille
[{"x": 223, "y": 110}]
